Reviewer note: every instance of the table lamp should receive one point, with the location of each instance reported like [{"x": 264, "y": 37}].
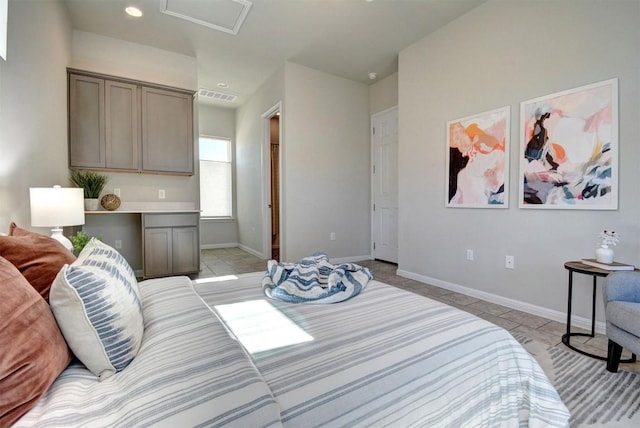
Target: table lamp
[{"x": 57, "y": 207}]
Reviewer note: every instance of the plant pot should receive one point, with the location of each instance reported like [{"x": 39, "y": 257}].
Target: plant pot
[
  {"x": 91, "y": 204},
  {"x": 604, "y": 254}
]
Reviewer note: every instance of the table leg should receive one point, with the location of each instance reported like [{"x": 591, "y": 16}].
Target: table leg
[{"x": 569, "y": 307}]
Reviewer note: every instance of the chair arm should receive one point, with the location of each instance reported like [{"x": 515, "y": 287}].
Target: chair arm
[{"x": 622, "y": 286}]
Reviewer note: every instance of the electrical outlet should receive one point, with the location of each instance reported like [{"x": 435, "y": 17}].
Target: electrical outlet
[
  {"x": 470, "y": 255},
  {"x": 161, "y": 194},
  {"x": 332, "y": 236},
  {"x": 116, "y": 191},
  {"x": 509, "y": 262},
  {"x": 118, "y": 244}
]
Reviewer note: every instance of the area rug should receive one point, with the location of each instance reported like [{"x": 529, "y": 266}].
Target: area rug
[{"x": 594, "y": 396}]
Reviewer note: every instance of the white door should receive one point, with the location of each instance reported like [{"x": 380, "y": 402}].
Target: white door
[{"x": 385, "y": 185}]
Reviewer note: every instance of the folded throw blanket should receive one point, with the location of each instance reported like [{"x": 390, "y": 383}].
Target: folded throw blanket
[{"x": 314, "y": 280}]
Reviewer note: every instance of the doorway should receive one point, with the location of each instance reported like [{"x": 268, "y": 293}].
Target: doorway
[
  {"x": 274, "y": 158},
  {"x": 272, "y": 189},
  {"x": 384, "y": 185}
]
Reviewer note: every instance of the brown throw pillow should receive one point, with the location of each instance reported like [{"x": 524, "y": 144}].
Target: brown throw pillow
[
  {"x": 33, "y": 352},
  {"x": 38, "y": 257}
]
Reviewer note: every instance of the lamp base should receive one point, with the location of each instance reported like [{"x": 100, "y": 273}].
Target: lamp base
[{"x": 56, "y": 233}]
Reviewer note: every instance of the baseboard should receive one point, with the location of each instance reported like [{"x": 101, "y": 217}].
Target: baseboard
[
  {"x": 250, "y": 251},
  {"x": 540, "y": 311},
  {"x": 214, "y": 246},
  {"x": 352, "y": 259}
]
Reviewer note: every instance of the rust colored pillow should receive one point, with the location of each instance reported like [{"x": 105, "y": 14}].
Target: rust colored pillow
[
  {"x": 38, "y": 257},
  {"x": 33, "y": 352}
]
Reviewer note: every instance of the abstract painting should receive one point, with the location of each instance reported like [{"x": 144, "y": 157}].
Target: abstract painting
[
  {"x": 478, "y": 160},
  {"x": 569, "y": 149}
]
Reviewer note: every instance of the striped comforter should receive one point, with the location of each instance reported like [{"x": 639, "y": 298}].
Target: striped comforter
[
  {"x": 385, "y": 358},
  {"x": 389, "y": 357}
]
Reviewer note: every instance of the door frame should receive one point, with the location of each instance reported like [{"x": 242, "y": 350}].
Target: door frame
[
  {"x": 266, "y": 180},
  {"x": 372, "y": 178}
]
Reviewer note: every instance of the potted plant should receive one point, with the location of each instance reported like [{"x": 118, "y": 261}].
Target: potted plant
[
  {"x": 79, "y": 240},
  {"x": 608, "y": 239},
  {"x": 93, "y": 184}
]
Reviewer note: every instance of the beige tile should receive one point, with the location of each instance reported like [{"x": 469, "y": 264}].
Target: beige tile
[
  {"x": 557, "y": 328},
  {"x": 466, "y": 308},
  {"x": 600, "y": 341},
  {"x": 502, "y": 322},
  {"x": 524, "y": 318},
  {"x": 432, "y": 290},
  {"x": 584, "y": 347},
  {"x": 460, "y": 299},
  {"x": 490, "y": 308},
  {"x": 540, "y": 336}
]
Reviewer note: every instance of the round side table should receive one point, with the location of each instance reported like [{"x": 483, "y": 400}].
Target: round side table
[{"x": 579, "y": 267}]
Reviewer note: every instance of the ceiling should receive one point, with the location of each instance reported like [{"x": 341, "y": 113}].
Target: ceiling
[{"x": 347, "y": 38}]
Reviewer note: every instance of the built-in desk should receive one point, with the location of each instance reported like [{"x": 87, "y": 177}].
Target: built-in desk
[{"x": 157, "y": 239}]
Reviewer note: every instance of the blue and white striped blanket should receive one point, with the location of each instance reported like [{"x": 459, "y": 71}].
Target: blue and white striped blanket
[{"x": 314, "y": 280}]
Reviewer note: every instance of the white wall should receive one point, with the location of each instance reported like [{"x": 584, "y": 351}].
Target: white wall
[
  {"x": 499, "y": 54},
  {"x": 383, "y": 94},
  {"x": 106, "y": 55},
  {"x": 33, "y": 106},
  {"x": 219, "y": 122},
  {"x": 326, "y": 157},
  {"x": 249, "y": 162}
]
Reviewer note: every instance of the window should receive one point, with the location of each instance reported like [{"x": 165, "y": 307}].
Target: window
[
  {"x": 3, "y": 28},
  {"x": 215, "y": 177}
]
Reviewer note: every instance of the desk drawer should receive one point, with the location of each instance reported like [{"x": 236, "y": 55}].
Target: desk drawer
[{"x": 170, "y": 220}]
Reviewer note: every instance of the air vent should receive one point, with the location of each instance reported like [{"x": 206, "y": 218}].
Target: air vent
[
  {"x": 222, "y": 15},
  {"x": 216, "y": 95}
]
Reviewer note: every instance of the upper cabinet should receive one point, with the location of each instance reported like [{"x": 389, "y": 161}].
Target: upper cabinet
[
  {"x": 121, "y": 124},
  {"x": 117, "y": 124},
  {"x": 86, "y": 122},
  {"x": 167, "y": 131}
]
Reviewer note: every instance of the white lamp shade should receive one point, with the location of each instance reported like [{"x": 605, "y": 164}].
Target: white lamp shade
[{"x": 56, "y": 206}]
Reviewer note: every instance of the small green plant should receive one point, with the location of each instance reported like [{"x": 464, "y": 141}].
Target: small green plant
[
  {"x": 92, "y": 182},
  {"x": 79, "y": 240}
]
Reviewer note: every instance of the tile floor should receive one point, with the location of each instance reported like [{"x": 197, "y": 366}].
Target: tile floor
[{"x": 226, "y": 261}]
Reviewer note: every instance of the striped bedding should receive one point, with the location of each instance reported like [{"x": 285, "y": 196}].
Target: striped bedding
[
  {"x": 384, "y": 358},
  {"x": 389, "y": 357},
  {"x": 188, "y": 372}
]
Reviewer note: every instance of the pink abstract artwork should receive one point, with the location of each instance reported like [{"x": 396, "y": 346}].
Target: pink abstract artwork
[
  {"x": 568, "y": 150},
  {"x": 478, "y": 161}
]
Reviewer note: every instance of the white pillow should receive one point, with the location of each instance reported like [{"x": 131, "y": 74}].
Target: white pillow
[{"x": 96, "y": 303}]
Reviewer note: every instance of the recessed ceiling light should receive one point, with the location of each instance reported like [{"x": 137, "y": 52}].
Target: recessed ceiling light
[
  {"x": 223, "y": 85},
  {"x": 373, "y": 76},
  {"x": 133, "y": 11}
]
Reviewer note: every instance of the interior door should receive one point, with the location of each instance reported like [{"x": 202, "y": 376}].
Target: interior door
[{"x": 385, "y": 185}]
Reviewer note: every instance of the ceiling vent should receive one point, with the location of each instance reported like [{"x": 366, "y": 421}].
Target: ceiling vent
[
  {"x": 222, "y": 15},
  {"x": 216, "y": 95}
]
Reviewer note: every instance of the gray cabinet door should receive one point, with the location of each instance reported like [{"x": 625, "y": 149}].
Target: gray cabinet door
[
  {"x": 186, "y": 250},
  {"x": 86, "y": 122},
  {"x": 158, "y": 260},
  {"x": 171, "y": 244},
  {"x": 122, "y": 136},
  {"x": 167, "y": 131}
]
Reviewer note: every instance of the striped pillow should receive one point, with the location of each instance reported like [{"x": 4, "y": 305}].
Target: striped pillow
[{"x": 96, "y": 303}]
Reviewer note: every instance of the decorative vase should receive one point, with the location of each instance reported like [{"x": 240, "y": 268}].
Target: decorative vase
[
  {"x": 604, "y": 254},
  {"x": 110, "y": 202},
  {"x": 91, "y": 204}
]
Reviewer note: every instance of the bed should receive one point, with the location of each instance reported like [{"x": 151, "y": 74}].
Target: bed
[{"x": 218, "y": 353}]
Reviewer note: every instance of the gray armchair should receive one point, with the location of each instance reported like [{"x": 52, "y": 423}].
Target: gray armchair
[{"x": 622, "y": 312}]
